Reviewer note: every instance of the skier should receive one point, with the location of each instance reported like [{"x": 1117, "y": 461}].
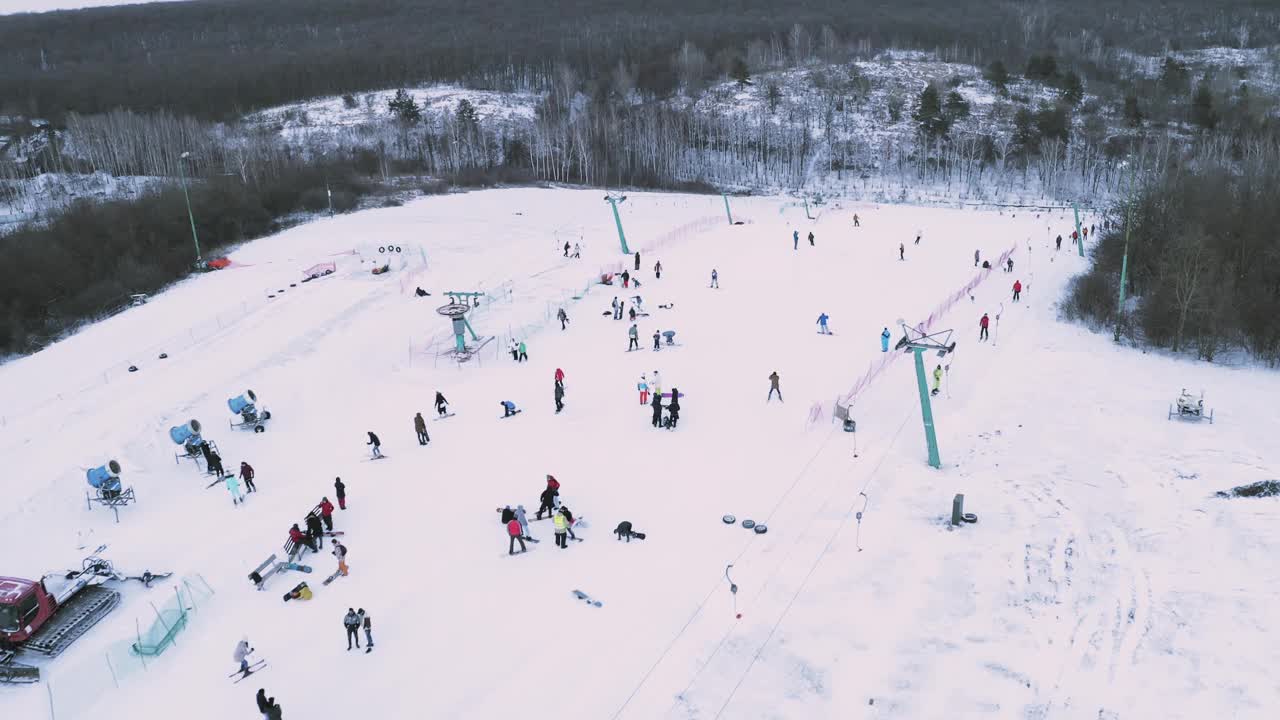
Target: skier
[
  {"x": 566, "y": 248},
  {"x": 919, "y": 234},
  {"x": 856, "y": 222},
  {"x": 514, "y": 349},
  {"x": 516, "y": 534},
  {"x": 215, "y": 462},
  {"x": 246, "y": 474},
  {"x": 937, "y": 379},
  {"x": 241, "y": 655},
  {"x": 340, "y": 552},
  {"x": 1075, "y": 237},
  {"x": 301, "y": 540},
  {"x": 975, "y": 258},
  {"x": 634, "y": 338},
  {"x": 902, "y": 251},
  {"x": 982, "y": 325},
  {"x": 442, "y": 405},
  {"x": 637, "y": 261},
  {"x": 1009, "y": 265},
  {"x": 420, "y": 427},
  {"x": 559, "y": 396},
  {"x": 884, "y": 340},
  {"x": 1058, "y": 243},
  {"x": 352, "y": 623},
  {"x": 315, "y": 530},
  {"x": 233, "y": 487},
  {"x": 523, "y": 519},
  {"x": 657, "y": 336},
  {"x": 657, "y": 270},
  {"x": 773, "y": 386},
  {"x": 508, "y": 408},
  {"x": 326, "y": 513},
  {"x": 715, "y": 279},
  {"x": 340, "y": 490},
  {"x": 1017, "y": 290},
  {"x": 616, "y": 313},
  {"x": 626, "y": 278},
  {"x": 810, "y": 238},
  {"x": 657, "y": 408},
  {"x": 568, "y": 516},
  {"x": 577, "y": 250},
  {"x": 559, "y": 376},
  {"x": 822, "y": 324},
  {"x": 561, "y": 526},
  {"x": 643, "y": 387},
  {"x": 367, "y": 623},
  {"x": 376, "y": 443},
  {"x": 524, "y": 353},
  {"x": 1085, "y": 233},
  {"x": 563, "y": 317},
  {"x": 795, "y": 239},
  {"x": 674, "y": 407}
]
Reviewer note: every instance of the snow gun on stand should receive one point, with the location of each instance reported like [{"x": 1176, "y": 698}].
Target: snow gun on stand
[
  {"x": 251, "y": 416},
  {"x": 188, "y": 436},
  {"x": 107, "y": 490}
]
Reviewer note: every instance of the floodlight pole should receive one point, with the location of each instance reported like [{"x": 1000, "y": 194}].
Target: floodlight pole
[
  {"x": 617, "y": 219},
  {"x": 926, "y": 409},
  {"x": 190, "y": 215}
]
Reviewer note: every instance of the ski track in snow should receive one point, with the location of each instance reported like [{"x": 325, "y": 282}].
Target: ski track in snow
[{"x": 1101, "y": 581}]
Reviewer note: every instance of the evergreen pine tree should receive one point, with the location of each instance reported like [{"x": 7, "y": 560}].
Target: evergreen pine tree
[
  {"x": 1072, "y": 88},
  {"x": 956, "y": 106},
  {"x": 1202, "y": 112},
  {"x": 467, "y": 114},
  {"x": 929, "y": 114},
  {"x": 739, "y": 72},
  {"x": 404, "y": 107},
  {"x": 1132, "y": 114},
  {"x": 998, "y": 75}
]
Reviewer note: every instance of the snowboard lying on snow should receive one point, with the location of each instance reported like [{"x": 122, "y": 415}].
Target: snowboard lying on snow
[{"x": 587, "y": 598}]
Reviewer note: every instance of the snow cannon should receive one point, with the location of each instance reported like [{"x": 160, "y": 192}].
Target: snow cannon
[
  {"x": 105, "y": 477},
  {"x": 246, "y": 406},
  {"x": 188, "y": 436}
]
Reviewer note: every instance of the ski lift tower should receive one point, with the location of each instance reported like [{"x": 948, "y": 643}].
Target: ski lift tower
[
  {"x": 459, "y": 304},
  {"x": 919, "y": 342},
  {"x": 614, "y": 201}
]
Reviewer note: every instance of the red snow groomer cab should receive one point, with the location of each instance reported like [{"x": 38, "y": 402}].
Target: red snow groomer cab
[{"x": 34, "y": 618}]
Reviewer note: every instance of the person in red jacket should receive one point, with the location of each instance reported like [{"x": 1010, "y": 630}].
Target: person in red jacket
[
  {"x": 1017, "y": 290},
  {"x": 553, "y": 483},
  {"x": 559, "y": 376},
  {"x": 983, "y": 323},
  {"x": 326, "y": 513},
  {"x": 246, "y": 474},
  {"x": 516, "y": 535},
  {"x": 300, "y": 538}
]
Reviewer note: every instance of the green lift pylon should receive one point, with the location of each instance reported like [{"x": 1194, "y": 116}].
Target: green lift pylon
[
  {"x": 726, "y": 207},
  {"x": 614, "y": 202},
  {"x": 918, "y": 343},
  {"x": 1079, "y": 235}
]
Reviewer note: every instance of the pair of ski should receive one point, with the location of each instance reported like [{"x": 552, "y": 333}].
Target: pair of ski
[{"x": 253, "y": 668}]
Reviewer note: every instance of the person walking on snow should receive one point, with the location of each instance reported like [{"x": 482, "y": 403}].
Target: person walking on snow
[
  {"x": 633, "y": 335},
  {"x": 773, "y": 386},
  {"x": 637, "y": 261},
  {"x": 566, "y": 248},
  {"x": 674, "y": 407},
  {"x": 264, "y": 705},
  {"x": 657, "y": 383},
  {"x": 1009, "y": 265},
  {"x": 856, "y": 222},
  {"x": 810, "y": 238},
  {"x": 548, "y": 498},
  {"x": 563, "y": 317},
  {"x": 715, "y": 279},
  {"x": 523, "y": 519},
  {"x": 982, "y": 327},
  {"x": 241, "y": 656},
  {"x": 1017, "y": 290},
  {"x": 376, "y": 443},
  {"x": 442, "y": 405},
  {"x": 626, "y": 279},
  {"x": 233, "y": 487},
  {"x": 657, "y": 408},
  {"x": 352, "y": 623},
  {"x": 1058, "y": 243},
  {"x": 420, "y": 427},
  {"x": 524, "y": 354},
  {"x": 340, "y": 552},
  {"x": 515, "y": 350},
  {"x": 366, "y": 621},
  {"x": 561, "y": 526},
  {"x": 643, "y": 387},
  {"x": 326, "y": 513},
  {"x": 884, "y": 340},
  {"x": 657, "y": 270},
  {"x": 937, "y": 379},
  {"x": 656, "y": 337},
  {"x": 577, "y": 250},
  {"x": 795, "y": 239},
  {"x": 515, "y": 534},
  {"x": 246, "y": 474},
  {"x": 975, "y": 258},
  {"x": 340, "y": 492},
  {"x": 559, "y": 396},
  {"x": 902, "y": 251},
  {"x": 617, "y": 310},
  {"x": 559, "y": 376},
  {"x": 315, "y": 530},
  {"x": 822, "y": 324}
]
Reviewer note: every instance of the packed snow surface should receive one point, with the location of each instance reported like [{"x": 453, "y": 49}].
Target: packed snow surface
[{"x": 1103, "y": 579}]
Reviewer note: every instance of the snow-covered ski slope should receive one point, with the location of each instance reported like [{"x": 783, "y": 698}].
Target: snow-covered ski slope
[{"x": 1102, "y": 579}]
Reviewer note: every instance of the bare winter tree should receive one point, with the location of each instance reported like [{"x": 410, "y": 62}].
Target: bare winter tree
[{"x": 1186, "y": 265}]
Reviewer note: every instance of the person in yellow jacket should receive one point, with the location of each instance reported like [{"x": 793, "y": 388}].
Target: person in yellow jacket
[
  {"x": 562, "y": 529},
  {"x": 937, "y": 379}
]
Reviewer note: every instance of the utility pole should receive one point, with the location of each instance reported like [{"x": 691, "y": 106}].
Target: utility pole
[
  {"x": 195, "y": 238},
  {"x": 614, "y": 202}
]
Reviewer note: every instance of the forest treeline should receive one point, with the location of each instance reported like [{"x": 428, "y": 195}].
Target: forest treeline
[{"x": 217, "y": 59}]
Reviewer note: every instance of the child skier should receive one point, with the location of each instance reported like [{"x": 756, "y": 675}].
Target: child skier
[
  {"x": 241, "y": 656},
  {"x": 773, "y": 386},
  {"x": 376, "y": 443},
  {"x": 643, "y": 387},
  {"x": 233, "y": 487},
  {"x": 420, "y": 427},
  {"x": 937, "y": 379},
  {"x": 246, "y": 474},
  {"x": 884, "y": 340}
]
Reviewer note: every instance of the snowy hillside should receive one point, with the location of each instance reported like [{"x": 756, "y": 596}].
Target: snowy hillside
[{"x": 1103, "y": 579}]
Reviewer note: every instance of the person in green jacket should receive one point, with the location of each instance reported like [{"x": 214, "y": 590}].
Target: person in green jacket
[
  {"x": 523, "y": 354},
  {"x": 562, "y": 528},
  {"x": 937, "y": 379}
]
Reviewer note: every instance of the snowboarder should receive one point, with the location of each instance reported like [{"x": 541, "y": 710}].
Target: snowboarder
[
  {"x": 657, "y": 337},
  {"x": 616, "y": 312},
  {"x": 624, "y": 531},
  {"x": 561, "y": 527},
  {"x": 633, "y": 333},
  {"x": 810, "y": 238},
  {"x": 937, "y": 379},
  {"x": 506, "y": 514},
  {"x": 563, "y": 317},
  {"x": 523, "y": 519},
  {"x": 301, "y": 540},
  {"x": 902, "y": 251},
  {"x": 246, "y": 474},
  {"x": 643, "y": 387},
  {"x": 559, "y": 376},
  {"x": 795, "y": 239},
  {"x": 514, "y": 349},
  {"x": 975, "y": 258},
  {"x": 515, "y": 533},
  {"x": 568, "y": 516},
  {"x": 626, "y": 278},
  {"x": 367, "y": 623},
  {"x": 1058, "y": 243},
  {"x": 1017, "y": 290},
  {"x": 1009, "y": 265},
  {"x": 233, "y": 487},
  {"x": 559, "y": 396},
  {"x": 420, "y": 292},
  {"x": 637, "y": 261},
  {"x": 326, "y": 513},
  {"x": 340, "y": 491},
  {"x": 442, "y": 405},
  {"x": 657, "y": 270},
  {"x": 884, "y": 340},
  {"x": 340, "y": 552},
  {"x": 856, "y": 221},
  {"x": 674, "y": 407},
  {"x": 715, "y": 279},
  {"x": 524, "y": 353},
  {"x": 657, "y": 408},
  {"x": 773, "y": 386},
  {"x": 376, "y": 443},
  {"x": 566, "y": 248},
  {"x": 919, "y": 234},
  {"x": 508, "y": 408},
  {"x": 420, "y": 427},
  {"x": 241, "y": 655},
  {"x": 632, "y": 313},
  {"x": 549, "y": 499},
  {"x": 822, "y": 324},
  {"x": 352, "y": 623},
  {"x": 982, "y": 327},
  {"x": 315, "y": 530}
]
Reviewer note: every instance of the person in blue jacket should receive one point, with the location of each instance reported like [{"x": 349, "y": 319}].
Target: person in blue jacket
[
  {"x": 884, "y": 340},
  {"x": 795, "y": 239},
  {"x": 822, "y": 324},
  {"x": 508, "y": 408}
]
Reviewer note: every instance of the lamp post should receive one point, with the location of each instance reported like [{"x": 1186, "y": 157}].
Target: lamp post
[{"x": 195, "y": 238}]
